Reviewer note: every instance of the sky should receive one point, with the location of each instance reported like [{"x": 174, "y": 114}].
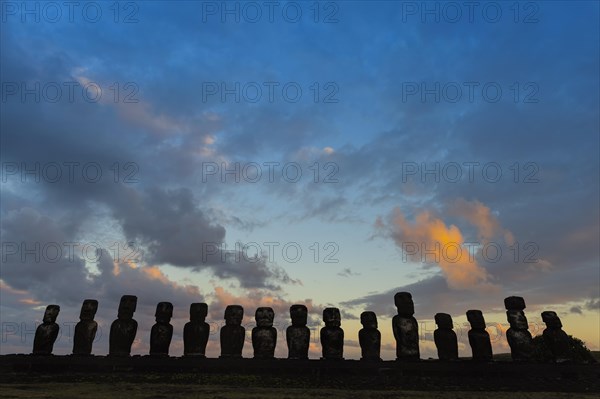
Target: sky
[{"x": 324, "y": 153}]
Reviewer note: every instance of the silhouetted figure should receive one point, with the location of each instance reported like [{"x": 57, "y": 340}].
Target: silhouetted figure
[
  {"x": 369, "y": 337},
  {"x": 556, "y": 339},
  {"x": 298, "y": 335},
  {"x": 162, "y": 332},
  {"x": 479, "y": 338},
  {"x": 445, "y": 337},
  {"x": 518, "y": 336},
  {"x": 406, "y": 330},
  {"x": 232, "y": 333},
  {"x": 332, "y": 336},
  {"x": 123, "y": 330},
  {"x": 47, "y": 332},
  {"x": 85, "y": 330},
  {"x": 196, "y": 331},
  {"x": 264, "y": 335}
]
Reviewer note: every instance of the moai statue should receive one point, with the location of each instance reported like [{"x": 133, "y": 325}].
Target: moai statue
[
  {"x": 445, "y": 337},
  {"x": 162, "y": 331},
  {"x": 196, "y": 331},
  {"x": 332, "y": 336},
  {"x": 123, "y": 330},
  {"x": 233, "y": 334},
  {"x": 47, "y": 332},
  {"x": 298, "y": 335},
  {"x": 479, "y": 338},
  {"x": 369, "y": 337},
  {"x": 556, "y": 339},
  {"x": 406, "y": 330},
  {"x": 85, "y": 330},
  {"x": 518, "y": 336},
  {"x": 264, "y": 335}
]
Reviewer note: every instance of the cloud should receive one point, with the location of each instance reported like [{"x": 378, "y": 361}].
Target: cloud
[{"x": 428, "y": 238}]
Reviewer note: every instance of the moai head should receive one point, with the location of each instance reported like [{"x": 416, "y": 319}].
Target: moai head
[
  {"x": 198, "y": 311},
  {"x": 88, "y": 309},
  {"x": 517, "y": 319},
  {"x": 444, "y": 321},
  {"x": 299, "y": 315},
  {"x": 404, "y": 303},
  {"x": 50, "y": 314},
  {"x": 127, "y": 307},
  {"x": 551, "y": 319},
  {"x": 368, "y": 319},
  {"x": 164, "y": 312},
  {"x": 234, "y": 315},
  {"x": 514, "y": 303},
  {"x": 264, "y": 317},
  {"x": 332, "y": 317},
  {"x": 475, "y": 317}
]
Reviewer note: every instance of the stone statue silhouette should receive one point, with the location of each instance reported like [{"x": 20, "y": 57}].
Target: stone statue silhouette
[
  {"x": 47, "y": 332},
  {"x": 232, "y": 333},
  {"x": 123, "y": 330},
  {"x": 264, "y": 335},
  {"x": 85, "y": 330},
  {"x": 196, "y": 331},
  {"x": 162, "y": 332},
  {"x": 369, "y": 337},
  {"x": 332, "y": 336},
  {"x": 405, "y": 327}
]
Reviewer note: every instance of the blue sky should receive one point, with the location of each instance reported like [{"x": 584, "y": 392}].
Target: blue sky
[{"x": 501, "y": 108}]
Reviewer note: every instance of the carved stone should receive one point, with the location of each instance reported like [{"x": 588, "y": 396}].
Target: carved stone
[
  {"x": 369, "y": 337},
  {"x": 196, "y": 331},
  {"x": 332, "y": 336},
  {"x": 264, "y": 335},
  {"x": 518, "y": 336},
  {"x": 123, "y": 330},
  {"x": 162, "y": 332},
  {"x": 47, "y": 332},
  {"x": 232, "y": 333},
  {"x": 479, "y": 338},
  {"x": 85, "y": 330},
  {"x": 405, "y": 327},
  {"x": 445, "y": 338},
  {"x": 556, "y": 339},
  {"x": 298, "y": 335}
]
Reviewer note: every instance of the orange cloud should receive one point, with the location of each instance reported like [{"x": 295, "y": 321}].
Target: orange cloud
[{"x": 429, "y": 239}]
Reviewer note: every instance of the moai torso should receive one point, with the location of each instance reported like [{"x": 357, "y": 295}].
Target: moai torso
[
  {"x": 556, "y": 339},
  {"x": 162, "y": 332},
  {"x": 123, "y": 330},
  {"x": 85, "y": 330},
  {"x": 445, "y": 337},
  {"x": 369, "y": 337},
  {"x": 479, "y": 338},
  {"x": 196, "y": 331},
  {"x": 47, "y": 332},
  {"x": 405, "y": 327},
  {"x": 332, "y": 336},
  {"x": 298, "y": 335},
  {"x": 233, "y": 334},
  {"x": 264, "y": 335},
  {"x": 518, "y": 336}
]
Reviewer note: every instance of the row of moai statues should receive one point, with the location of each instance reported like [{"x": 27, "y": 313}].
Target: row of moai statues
[{"x": 264, "y": 335}]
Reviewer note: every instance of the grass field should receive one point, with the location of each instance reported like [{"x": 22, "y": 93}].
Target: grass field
[{"x": 100, "y": 390}]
